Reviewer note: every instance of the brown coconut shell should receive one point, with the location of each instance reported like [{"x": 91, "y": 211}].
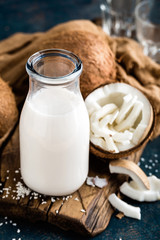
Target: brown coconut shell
[
  {"x": 98, "y": 60},
  {"x": 105, "y": 155},
  {"x": 8, "y": 109}
]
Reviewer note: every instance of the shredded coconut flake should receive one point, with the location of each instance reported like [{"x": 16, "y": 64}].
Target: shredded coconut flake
[
  {"x": 52, "y": 199},
  {"x": 83, "y": 210},
  {"x": 21, "y": 190},
  {"x": 76, "y": 199}
]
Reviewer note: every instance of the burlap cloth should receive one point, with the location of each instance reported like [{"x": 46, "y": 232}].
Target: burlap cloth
[{"x": 131, "y": 65}]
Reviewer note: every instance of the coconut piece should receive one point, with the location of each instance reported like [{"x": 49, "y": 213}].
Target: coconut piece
[
  {"x": 128, "y": 210},
  {"x": 132, "y": 117},
  {"x": 120, "y": 215},
  {"x": 122, "y": 147},
  {"x": 108, "y": 119},
  {"x": 8, "y": 108},
  {"x": 122, "y": 136},
  {"x": 128, "y": 103},
  {"x": 89, "y": 181},
  {"x": 103, "y": 111},
  {"x": 133, "y": 191},
  {"x": 96, "y": 181},
  {"x": 121, "y": 116},
  {"x": 131, "y": 169},
  {"x": 98, "y": 141},
  {"x": 110, "y": 145},
  {"x": 100, "y": 182},
  {"x": 138, "y": 133}
]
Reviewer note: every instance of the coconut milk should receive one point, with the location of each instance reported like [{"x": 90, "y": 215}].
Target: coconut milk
[{"x": 54, "y": 141}]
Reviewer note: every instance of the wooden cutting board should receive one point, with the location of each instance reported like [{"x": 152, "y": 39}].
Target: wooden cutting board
[{"x": 86, "y": 211}]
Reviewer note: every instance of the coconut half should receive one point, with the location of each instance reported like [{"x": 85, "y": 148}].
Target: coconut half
[{"x": 121, "y": 120}]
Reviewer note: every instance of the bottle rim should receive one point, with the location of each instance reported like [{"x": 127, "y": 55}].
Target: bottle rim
[{"x": 33, "y": 59}]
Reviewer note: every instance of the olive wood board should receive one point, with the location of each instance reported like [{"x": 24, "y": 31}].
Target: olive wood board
[{"x": 64, "y": 212}]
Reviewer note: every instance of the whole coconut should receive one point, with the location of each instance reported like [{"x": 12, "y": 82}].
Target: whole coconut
[
  {"x": 8, "y": 108},
  {"x": 97, "y": 58}
]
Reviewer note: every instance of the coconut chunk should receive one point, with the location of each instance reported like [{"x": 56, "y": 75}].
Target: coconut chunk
[
  {"x": 132, "y": 170},
  {"x": 109, "y": 108},
  {"x": 90, "y": 182},
  {"x": 100, "y": 182},
  {"x": 110, "y": 145},
  {"x": 122, "y": 136},
  {"x": 133, "y": 191},
  {"x": 138, "y": 133},
  {"x": 96, "y": 181},
  {"x": 121, "y": 112},
  {"x": 128, "y": 210},
  {"x": 109, "y": 119},
  {"x": 98, "y": 141},
  {"x": 124, "y": 147},
  {"x": 128, "y": 102},
  {"x": 132, "y": 117}
]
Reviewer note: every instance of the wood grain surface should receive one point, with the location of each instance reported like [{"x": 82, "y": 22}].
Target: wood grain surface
[{"x": 65, "y": 212}]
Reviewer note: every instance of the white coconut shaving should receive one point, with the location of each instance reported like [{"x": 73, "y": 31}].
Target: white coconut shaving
[
  {"x": 128, "y": 210},
  {"x": 96, "y": 181},
  {"x": 133, "y": 191}
]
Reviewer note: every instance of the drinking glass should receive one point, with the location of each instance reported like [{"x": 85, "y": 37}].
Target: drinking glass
[
  {"x": 148, "y": 30},
  {"x": 118, "y": 17}
]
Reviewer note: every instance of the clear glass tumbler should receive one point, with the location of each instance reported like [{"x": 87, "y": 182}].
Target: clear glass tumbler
[
  {"x": 54, "y": 125},
  {"x": 118, "y": 17},
  {"x": 147, "y": 31}
]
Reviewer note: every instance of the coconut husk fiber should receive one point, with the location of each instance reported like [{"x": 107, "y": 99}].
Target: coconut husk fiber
[
  {"x": 105, "y": 60},
  {"x": 140, "y": 71},
  {"x": 8, "y": 110}
]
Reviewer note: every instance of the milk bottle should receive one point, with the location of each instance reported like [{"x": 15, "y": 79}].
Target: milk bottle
[{"x": 54, "y": 125}]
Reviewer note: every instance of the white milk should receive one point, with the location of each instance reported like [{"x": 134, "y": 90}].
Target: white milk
[{"x": 54, "y": 142}]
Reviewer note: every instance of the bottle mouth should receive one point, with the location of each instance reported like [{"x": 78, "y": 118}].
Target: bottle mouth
[{"x": 54, "y": 66}]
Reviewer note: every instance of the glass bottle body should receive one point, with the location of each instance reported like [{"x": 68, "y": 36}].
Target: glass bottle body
[{"x": 54, "y": 131}]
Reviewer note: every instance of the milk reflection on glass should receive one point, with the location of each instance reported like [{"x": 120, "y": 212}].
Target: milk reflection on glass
[
  {"x": 118, "y": 17},
  {"x": 148, "y": 28},
  {"x": 54, "y": 127}
]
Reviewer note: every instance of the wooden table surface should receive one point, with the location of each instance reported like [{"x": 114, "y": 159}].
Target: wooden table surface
[{"x": 38, "y": 15}]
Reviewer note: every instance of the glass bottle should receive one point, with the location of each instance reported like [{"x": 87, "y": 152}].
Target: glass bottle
[{"x": 54, "y": 125}]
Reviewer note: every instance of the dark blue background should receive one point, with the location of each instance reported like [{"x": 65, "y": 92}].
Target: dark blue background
[{"x": 38, "y": 15}]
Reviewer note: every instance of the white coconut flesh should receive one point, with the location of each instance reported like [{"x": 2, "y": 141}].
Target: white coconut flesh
[
  {"x": 133, "y": 190},
  {"x": 128, "y": 210},
  {"x": 120, "y": 117}
]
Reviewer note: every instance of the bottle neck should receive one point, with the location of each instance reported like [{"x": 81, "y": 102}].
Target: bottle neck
[{"x": 35, "y": 86}]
